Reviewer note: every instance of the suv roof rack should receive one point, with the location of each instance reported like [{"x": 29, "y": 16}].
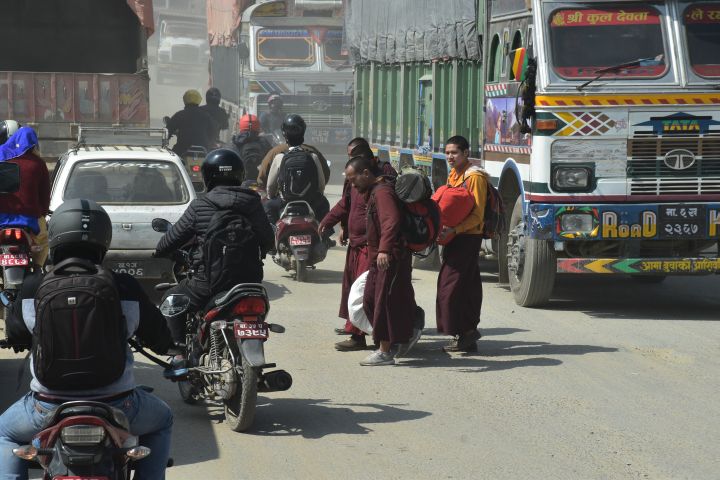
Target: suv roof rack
[{"x": 125, "y": 136}]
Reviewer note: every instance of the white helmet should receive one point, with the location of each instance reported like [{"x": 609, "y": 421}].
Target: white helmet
[{"x": 7, "y": 129}]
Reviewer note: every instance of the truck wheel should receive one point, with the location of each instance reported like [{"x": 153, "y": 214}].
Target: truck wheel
[{"x": 532, "y": 264}]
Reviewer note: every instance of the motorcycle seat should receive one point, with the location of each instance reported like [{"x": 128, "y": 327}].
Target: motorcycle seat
[
  {"x": 297, "y": 209},
  {"x": 87, "y": 408}
]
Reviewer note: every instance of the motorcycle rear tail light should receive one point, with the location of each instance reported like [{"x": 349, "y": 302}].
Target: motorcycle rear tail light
[
  {"x": 250, "y": 306},
  {"x": 15, "y": 234},
  {"x": 83, "y": 435}
]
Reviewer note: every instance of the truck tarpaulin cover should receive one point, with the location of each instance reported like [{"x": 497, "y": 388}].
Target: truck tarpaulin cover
[
  {"x": 223, "y": 19},
  {"x": 144, "y": 11},
  {"x": 397, "y": 31}
]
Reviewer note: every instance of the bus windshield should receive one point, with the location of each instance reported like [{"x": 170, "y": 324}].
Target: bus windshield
[
  {"x": 702, "y": 27},
  {"x": 586, "y": 40},
  {"x": 334, "y": 53},
  {"x": 285, "y": 48}
]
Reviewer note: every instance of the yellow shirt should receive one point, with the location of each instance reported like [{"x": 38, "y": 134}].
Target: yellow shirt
[{"x": 475, "y": 181}]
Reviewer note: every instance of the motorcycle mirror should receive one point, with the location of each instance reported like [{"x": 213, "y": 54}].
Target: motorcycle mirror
[
  {"x": 275, "y": 328},
  {"x": 160, "y": 225}
]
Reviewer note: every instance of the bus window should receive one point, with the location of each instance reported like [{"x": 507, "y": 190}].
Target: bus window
[
  {"x": 287, "y": 48},
  {"x": 517, "y": 43},
  {"x": 495, "y": 63},
  {"x": 702, "y": 28}
]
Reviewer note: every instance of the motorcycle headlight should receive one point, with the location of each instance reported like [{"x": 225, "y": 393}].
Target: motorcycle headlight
[
  {"x": 577, "y": 222},
  {"x": 174, "y": 305},
  {"x": 82, "y": 435},
  {"x": 572, "y": 179}
]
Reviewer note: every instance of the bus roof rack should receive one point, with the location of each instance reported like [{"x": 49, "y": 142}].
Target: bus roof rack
[{"x": 126, "y": 136}]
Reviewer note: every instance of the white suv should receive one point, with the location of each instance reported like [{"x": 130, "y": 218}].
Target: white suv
[{"x": 134, "y": 184}]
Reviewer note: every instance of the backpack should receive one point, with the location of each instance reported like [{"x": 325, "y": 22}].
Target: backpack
[
  {"x": 494, "y": 221},
  {"x": 298, "y": 176},
  {"x": 421, "y": 215},
  {"x": 455, "y": 204},
  {"x": 230, "y": 249},
  {"x": 80, "y": 333},
  {"x": 252, "y": 154}
]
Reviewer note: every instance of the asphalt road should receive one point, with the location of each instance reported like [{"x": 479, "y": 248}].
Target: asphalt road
[{"x": 611, "y": 380}]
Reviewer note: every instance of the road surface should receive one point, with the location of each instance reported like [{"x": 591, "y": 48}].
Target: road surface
[{"x": 612, "y": 380}]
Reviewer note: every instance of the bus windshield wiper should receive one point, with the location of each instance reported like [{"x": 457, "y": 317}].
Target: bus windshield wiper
[{"x": 640, "y": 62}]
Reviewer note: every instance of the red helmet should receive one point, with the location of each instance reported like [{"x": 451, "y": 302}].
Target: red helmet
[{"x": 249, "y": 122}]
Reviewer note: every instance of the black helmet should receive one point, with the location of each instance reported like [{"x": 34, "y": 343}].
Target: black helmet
[
  {"x": 213, "y": 96},
  {"x": 7, "y": 130},
  {"x": 222, "y": 167},
  {"x": 80, "y": 225},
  {"x": 294, "y": 127}
]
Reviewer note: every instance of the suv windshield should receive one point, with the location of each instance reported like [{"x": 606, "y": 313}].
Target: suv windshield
[
  {"x": 702, "y": 27},
  {"x": 127, "y": 182},
  {"x": 286, "y": 48},
  {"x": 586, "y": 40}
]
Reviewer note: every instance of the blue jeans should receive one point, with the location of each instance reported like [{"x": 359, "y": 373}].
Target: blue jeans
[{"x": 150, "y": 419}]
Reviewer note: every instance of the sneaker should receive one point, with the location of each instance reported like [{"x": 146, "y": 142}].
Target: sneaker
[
  {"x": 378, "y": 358},
  {"x": 404, "y": 348},
  {"x": 178, "y": 369},
  {"x": 355, "y": 342},
  {"x": 341, "y": 331}
]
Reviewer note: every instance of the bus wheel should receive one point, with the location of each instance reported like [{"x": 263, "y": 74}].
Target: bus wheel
[{"x": 532, "y": 264}]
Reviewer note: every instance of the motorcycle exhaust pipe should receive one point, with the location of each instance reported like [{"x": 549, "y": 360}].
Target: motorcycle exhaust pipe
[{"x": 275, "y": 381}]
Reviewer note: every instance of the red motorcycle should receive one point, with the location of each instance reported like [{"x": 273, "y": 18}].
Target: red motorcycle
[{"x": 297, "y": 242}]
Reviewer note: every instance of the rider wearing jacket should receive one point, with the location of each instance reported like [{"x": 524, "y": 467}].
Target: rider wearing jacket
[
  {"x": 192, "y": 125},
  {"x": 150, "y": 418},
  {"x": 223, "y": 173},
  {"x": 251, "y": 147}
]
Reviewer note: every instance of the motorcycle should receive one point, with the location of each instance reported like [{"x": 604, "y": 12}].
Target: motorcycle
[
  {"x": 224, "y": 348},
  {"x": 298, "y": 245},
  {"x": 15, "y": 248},
  {"x": 83, "y": 440}
]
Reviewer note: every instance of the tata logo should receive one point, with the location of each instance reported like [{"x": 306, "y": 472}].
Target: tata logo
[
  {"x": 679, "y": 124},
  {"x": 679, "y": 159}
]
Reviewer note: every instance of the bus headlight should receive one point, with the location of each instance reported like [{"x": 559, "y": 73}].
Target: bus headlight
[{"x": 572, "y": 179}]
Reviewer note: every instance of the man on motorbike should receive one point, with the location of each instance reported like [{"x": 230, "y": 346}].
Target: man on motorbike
[
  {"x": 213, "y": 109},
  {"x": 191, "y": 125},
  {"x": 293, "y": 129},
  {"x": 271, "y": 121},
  {"x": 24, "y": 186},
  {"x": 251, "y": 147},
  {"x": 81, "y": 230},
  {"x": 223, "y": 173}
]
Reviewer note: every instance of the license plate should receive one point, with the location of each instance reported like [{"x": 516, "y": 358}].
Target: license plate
[
  {"x": 135, "y": 269},
  {"x": 682, "y": 221},
  {"x": 12, "y": 260},
  {"x": 297, "y": 240},
  {"x": 251, "y": 330}
]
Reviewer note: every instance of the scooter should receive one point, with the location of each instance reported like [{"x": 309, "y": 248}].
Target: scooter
[{"x": 298, "y": 245}]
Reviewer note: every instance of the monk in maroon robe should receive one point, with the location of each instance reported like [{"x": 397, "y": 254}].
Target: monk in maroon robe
[
  {"x": 351, "y": 213},
  {"x": 389, "y": 299}
]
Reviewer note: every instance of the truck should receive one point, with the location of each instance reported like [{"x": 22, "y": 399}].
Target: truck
[
  {"x": 598, "y": 122},
  {"x": 183, "y": 51},
  {"x": 291, "y": 48},
  {"x": 62, "y": 70}
]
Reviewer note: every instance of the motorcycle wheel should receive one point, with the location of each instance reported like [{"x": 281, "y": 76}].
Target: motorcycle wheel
[
  {"x": 240, "y": 408},
  {"x": 300, "y": 271}
]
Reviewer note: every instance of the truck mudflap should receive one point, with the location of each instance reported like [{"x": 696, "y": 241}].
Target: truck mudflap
[
  {"x": 640, "y": 266},
  {"x": 663, "y": 221}
]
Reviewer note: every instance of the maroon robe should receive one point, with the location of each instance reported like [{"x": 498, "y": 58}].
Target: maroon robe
[
  {"x": 459, "y": 288},
  {"x": 389, "y": 299}
]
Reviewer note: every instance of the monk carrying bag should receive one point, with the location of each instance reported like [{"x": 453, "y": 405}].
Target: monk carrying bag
[
  {"x": 80, "y": 333},
  {"x": 421, "y": 215}
]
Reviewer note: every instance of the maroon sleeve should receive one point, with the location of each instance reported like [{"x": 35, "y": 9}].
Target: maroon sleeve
[
  {"x": 339, "y": 213},
  {"x": 390, "y": 218}
]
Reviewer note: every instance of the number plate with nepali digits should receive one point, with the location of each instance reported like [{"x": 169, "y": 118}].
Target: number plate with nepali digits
[
  {"x": 251, "y": 330},
  {"x": 682, "y": 221},
  {"x": 296, "y": 240},
  {"x": 12, "y": 260}
]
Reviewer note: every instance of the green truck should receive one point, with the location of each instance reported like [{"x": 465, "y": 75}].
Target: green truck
[{"x": 599, "y": 122}]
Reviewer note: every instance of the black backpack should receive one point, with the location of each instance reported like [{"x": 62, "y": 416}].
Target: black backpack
[
  {"x": 298, "y": 176},
  {"x": 80, "y": 333},
  {"x": 252, "y": 154},
  {"x": 494, "y": 222},
  {"x": 229, "y": 250}
]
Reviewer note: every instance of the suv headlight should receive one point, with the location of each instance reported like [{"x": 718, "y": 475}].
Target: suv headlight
[{"x": 572, "y": 179}]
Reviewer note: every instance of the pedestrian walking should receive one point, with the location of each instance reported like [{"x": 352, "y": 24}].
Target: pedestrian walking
[
  {"x": 459, "y": 287},
  {"x": 389, "y": 298}
]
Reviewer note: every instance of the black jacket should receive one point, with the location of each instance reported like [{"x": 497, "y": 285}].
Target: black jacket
[
  {"x": 194, "y": 222},
  {"x": 219, "y": 115},
  {"x": 192, "y": 126},
  {"x": 152, "y": 328}
]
